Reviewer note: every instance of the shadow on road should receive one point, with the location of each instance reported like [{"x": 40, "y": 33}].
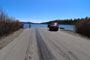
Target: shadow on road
[{"x": 52, "y": 30}]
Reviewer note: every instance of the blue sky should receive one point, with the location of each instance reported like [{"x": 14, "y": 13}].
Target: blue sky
[{"x": 45, "y": 10}]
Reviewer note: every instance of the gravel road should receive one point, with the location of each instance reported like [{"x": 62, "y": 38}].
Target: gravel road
[
  {"x": 42, "y": 44},
  {"x": 5, "y": 40}
]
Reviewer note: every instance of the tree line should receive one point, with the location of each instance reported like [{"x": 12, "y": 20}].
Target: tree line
[{"x": 68, "y": 21}]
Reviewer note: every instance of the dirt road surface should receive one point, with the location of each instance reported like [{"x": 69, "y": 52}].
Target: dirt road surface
[{"x": 42, "y": 44}]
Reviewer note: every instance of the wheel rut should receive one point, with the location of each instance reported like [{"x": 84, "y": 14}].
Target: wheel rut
[{"x": 44, "y": 52}]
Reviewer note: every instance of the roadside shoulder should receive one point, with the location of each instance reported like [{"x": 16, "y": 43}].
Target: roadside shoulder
[
  {"x": 7, "y": 39},
  {"x": 75, "y": 34}
]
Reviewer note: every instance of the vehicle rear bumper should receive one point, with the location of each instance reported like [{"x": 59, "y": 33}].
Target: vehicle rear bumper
[{"x": 53, "y": 28}]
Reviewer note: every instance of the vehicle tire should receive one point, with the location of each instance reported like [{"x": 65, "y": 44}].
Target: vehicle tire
[
  {"x": 57, "y": 29},
  {"x": 49, "y": 29}
]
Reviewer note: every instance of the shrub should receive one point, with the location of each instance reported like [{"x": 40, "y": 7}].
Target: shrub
[
  {"x": 83, "y": 27},
  {"x": 8, "y": 25}
]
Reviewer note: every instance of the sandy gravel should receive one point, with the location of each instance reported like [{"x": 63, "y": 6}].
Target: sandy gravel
[
  {"x": 75, "y": 34},
  {"x": 42, "y": 44},
  {"x": 7, "y": 39},
  {"x": 24, "y": 47},
  {"x": 65, "y": 46}
]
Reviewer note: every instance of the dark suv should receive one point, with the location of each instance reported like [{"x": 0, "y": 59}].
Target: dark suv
[{"x": 53, "y": 26}]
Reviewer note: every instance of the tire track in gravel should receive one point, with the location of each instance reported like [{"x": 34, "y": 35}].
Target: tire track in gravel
[
  {"x": 67, "y": 54},
  {"x": 44, "y": 52}
]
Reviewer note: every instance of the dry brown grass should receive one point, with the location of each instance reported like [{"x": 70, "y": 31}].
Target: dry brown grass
[
  {"x": 8, "y": 27},
  {"x": 83, "y": 27},
  {"x": 8, "y": 24}
]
